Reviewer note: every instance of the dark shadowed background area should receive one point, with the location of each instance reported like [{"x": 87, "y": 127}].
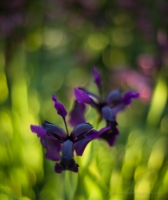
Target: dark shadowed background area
[{"x": 49, "y": 47}]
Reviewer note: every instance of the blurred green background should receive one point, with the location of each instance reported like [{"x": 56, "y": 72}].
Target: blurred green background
[{"x": 49, "y": 47}]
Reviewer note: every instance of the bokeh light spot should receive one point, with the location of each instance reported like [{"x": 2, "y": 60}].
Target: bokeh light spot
[
  {"x": 98, "y": 41},
  {"x": 34, "y": 40},
  {"x": 54, "y": 38}
]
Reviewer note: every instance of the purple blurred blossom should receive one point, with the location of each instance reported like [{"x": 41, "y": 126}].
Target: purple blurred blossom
[
  {"x": 107, "y": 108},
  {"x": 111, "y": 102},
  {"x": 56, "y": 140}
]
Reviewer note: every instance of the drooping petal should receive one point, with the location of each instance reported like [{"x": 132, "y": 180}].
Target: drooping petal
[
  {"x": 53, "y": 148},
  {"x": 127, "y": 99},
  {"x": 70, "y": 165},
  {"x": 80, "y": 145},
  {"x": 67, "y": 162},
  {"x": 108, "y": 114},
  {"x": 55, "y": 131},
  {"x": 113, "y": 97},
  {"x": 109, "y": 135},
  {"x": 40, "y": 131},
  {"x": 118, "y": 108},
  {"x": 80, "y": 131},
  {"x": 59, "y": 107},
  {"x": 82, "y": 96},
  {"x": 58, "y": 168},
  {"x": 97, "y": 77},
  {"x": 77, "y": 114},
  {"x": 66, "y": 165},
  {"x": 104, "y": 129},
  {"x": 93, "y": 134}
]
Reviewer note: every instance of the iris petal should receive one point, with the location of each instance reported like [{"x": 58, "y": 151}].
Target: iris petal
[
  {"x": 55, "y": 131},
  {"x": 108, "y": 114},
  {"x": 113, "y": 97},
  {"x": 58, "y": 168},
  {"x": 67, "y": 149},
  {"x": 80, "y": 145},
  {"x": 109, "y": 135},
  {"x": 93, "y": 134},
  {"x": 66, "y": 164},
  {"x": 94, "y": 98},
  {"x": 127, "y": 99},
  {"x": 97, "y": 77},
  {"x": 59, "y": 107},
  {"x": 118, "y": 108},
  {"x": 82, "y": 97},
  {"x": 53, "y": 148},
  {"x": 104, "y": 129},
  {"x": 40, "y": 131},
  {"x": 81, "y": 130},
  {"x": 77, "y": 114}
]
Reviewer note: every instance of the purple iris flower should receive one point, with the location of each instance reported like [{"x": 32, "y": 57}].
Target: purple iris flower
[
  {"x": 57, "y": 141},
  {"x": 107, "y": 108}
]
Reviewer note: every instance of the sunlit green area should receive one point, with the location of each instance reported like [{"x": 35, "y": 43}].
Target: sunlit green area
[{"x": 49, "y": 48}]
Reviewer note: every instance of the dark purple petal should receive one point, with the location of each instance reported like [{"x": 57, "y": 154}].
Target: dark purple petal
[
  {"x": 93, "y": 134},
  {"x": 104, "y": 129},
  {"x": 55, "y": 131},
  {"x": 127, "y": 99},
  {"x": 108, "y": 114},
  {"x": 77, "y": 114},
  {"x": 118, "y": 108},
  {"x": 97, "y": 77},
  {"x": 80, "y": 131},
  {"x": 80, "y": 145},
  {"x": 113, "y": 96},
  {"x": 109, "y": 135},
  {"x": 59, "y": 107},
  {"x": 94, "y": 98},
  {"x": 66, "y": 164},
  {"x": 67, "y": 149},
  {"x": 53, "y": 148},
  {"x": 75, "y": 169},
  {"x": 58, "y": 168},
  {"x": 82, "y": 96},
  {"x": 40, "y": 131}
]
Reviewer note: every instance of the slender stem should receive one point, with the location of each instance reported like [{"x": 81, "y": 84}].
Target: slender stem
[{"x": 66, "y": 125}]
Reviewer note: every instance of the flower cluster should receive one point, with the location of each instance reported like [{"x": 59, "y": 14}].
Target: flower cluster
[{"x": 60, "y": 145}]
